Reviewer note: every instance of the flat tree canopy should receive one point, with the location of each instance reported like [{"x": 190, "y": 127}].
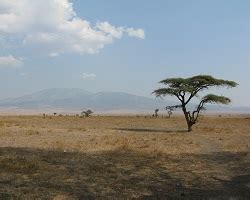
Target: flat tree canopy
[{"x": 187, "y": 88}]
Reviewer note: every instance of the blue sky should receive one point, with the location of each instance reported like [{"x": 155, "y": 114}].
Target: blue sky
[{"x": 134, "y": 44}]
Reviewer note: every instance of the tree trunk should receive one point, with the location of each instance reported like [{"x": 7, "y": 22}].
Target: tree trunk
[
  {"x": 190, "y": 127},
  {"x": 189, "y": 123}
]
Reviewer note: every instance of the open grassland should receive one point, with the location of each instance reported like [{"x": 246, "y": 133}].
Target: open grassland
[{"x": 124, "y": 158}]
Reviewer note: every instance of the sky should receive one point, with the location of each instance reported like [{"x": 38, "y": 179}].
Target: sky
[{"x": 126, "y": 46}]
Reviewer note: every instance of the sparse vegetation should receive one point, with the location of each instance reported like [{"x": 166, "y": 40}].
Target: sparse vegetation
[{"x": 123, "y": 158}]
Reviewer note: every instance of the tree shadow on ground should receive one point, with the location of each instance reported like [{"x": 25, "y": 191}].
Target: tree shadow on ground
[
  {"x": 150, "y": 130},
  {"x": 122, "y": 174}
]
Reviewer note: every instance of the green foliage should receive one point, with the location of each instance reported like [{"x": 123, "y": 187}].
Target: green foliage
[
  {"x": 187, "y": 88},
  {"x": 192, "y": 85},
  {"x": 211, "y": 98}
]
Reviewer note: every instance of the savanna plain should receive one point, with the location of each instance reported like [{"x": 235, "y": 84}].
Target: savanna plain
[{"x": 124, "y": 157}]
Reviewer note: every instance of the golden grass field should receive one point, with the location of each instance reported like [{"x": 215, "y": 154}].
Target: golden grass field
[{"x": 119, "y": 157}]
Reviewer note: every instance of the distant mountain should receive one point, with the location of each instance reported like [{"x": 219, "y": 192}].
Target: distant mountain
[{"x": 79, "y": 99}]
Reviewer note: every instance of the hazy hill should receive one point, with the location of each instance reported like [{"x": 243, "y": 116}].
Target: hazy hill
[{"x": 79, "y": 99}]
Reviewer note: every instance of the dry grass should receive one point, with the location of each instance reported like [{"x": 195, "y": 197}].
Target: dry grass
[{"x": 124, "y": 158}]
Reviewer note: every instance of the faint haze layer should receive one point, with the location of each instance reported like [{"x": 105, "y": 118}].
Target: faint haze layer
[{"x": 77, "y": 100}]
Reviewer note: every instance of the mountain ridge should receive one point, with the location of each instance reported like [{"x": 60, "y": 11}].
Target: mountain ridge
[
  {"x": 80, "y": 99},
  {"x": 75, "y": 98}
]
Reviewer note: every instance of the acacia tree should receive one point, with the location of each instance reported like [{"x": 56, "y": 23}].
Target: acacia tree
[
  {"x": 87, "y": 113},
  {"x": 185, "y": 89},
  {"x": 170, "y": 110},
  {"x": 156, "y": 112}
]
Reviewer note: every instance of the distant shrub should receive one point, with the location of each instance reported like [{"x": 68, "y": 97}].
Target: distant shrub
[
  {"x": 156, "y": 113},
  {"x": 87, "y": 113}
]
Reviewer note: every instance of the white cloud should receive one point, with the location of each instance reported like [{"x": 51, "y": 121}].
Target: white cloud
[
  {"x": 138, "y": 33},
  {"x": 85, "y": 76},
  {"x": 110, "y": 30},
  {"x": 52, "y": 27},
  {"x": 10, "y": 62}
]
